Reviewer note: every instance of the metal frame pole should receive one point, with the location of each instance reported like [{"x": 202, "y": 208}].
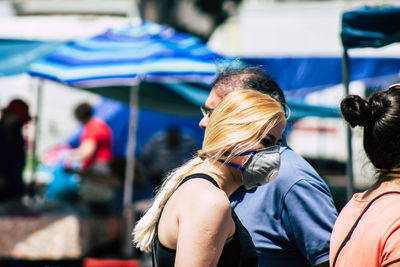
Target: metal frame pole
[
  {"x": 128, "y": 212},
  {"x": 349, "y": 166},
  {"x": 36, "y": 120}
]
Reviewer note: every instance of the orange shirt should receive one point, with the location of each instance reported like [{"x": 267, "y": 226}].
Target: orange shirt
[{"x": 376, "y": 239}]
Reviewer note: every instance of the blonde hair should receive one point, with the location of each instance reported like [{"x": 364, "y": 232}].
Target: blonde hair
[{"x": 240, "y": 121}]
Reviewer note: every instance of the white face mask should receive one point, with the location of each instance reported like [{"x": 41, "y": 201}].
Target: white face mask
[{"x": 262, "y": 167}]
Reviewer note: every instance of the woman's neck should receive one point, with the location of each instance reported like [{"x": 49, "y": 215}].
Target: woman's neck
[
  {"x": 228, "y": 179},
  {"x": 379, "y": 188}
]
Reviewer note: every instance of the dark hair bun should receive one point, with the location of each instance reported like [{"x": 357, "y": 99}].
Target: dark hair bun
[
  {"x": 378, "y": 104},
  {"x": 355, "y": 110}
]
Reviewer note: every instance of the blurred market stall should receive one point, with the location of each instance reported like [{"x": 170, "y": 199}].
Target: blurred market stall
[{"x": 129, "y": 64}]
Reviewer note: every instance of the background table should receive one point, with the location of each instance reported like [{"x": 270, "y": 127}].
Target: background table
[{"x": 50, "y": 237}]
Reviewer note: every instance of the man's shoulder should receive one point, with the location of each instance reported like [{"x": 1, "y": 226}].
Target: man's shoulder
[
  {"x": 96, "y": 123},
  {"x": 295, "y": 170},
  {"x": 97, "y": 129},
  {"x": 294, "y": 166},
  {"x": 287, "y": 153},
  {"x": 187, "y": 139},
  {"x": 159, "y": 137}
]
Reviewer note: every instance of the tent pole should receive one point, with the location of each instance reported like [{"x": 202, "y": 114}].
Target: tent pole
[
  {"x": 36, "y": 120},
  {"x": 128, "y": 211},
  {"x": 349, "y": 166}
]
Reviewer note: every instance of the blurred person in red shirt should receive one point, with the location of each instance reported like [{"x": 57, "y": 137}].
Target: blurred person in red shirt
[{"x": 95, "y": 144}]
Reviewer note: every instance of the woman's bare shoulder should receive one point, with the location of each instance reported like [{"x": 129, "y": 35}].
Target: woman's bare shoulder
[{"x": 200, "y": 194}]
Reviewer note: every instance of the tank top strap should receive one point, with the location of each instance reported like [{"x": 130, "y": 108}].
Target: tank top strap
[{"x": 199, "y": 175}]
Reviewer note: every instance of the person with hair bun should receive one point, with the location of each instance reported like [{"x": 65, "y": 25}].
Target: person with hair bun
[
  {"x": 367, "y": 231},
  {"x": 191, "y": 222}
]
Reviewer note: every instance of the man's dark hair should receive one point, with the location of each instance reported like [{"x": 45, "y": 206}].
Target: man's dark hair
[
  {"x": 251, "y": 78},
  {"x": 83, "y": 112}
]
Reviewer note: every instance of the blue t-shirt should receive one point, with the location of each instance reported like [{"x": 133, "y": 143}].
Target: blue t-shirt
[{"x": 290, "y": 219}]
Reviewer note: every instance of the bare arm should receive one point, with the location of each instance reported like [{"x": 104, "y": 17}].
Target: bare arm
[
  {"x": 203, "y": 231},
  {"x": 85, "y": 150}
]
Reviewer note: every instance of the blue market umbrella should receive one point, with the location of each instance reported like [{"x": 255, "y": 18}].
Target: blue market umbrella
[
  {"x": 16, "y": 55},
  {"x": 154, "y": 57},
  {"x": 155, "y": 62}
]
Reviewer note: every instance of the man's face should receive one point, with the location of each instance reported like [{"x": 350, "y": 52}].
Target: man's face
[{"x": 214, "y": 98}]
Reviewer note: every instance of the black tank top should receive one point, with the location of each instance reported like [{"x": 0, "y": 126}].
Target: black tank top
[{"x": 239, "y": 251}]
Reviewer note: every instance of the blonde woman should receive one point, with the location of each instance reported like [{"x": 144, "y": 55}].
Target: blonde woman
[{"x": 191, "y": 222}]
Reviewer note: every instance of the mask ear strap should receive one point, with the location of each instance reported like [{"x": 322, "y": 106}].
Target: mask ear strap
[
  {"x": 231, "y": 164},
  {"x": 240, "y": 154},
  {"x": 288, "y": 112},
  {"x": 235, "y": 155}
]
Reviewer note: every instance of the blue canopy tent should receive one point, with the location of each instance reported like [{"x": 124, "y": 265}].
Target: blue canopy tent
[
  {"x": 365, "y": 26},
  {"x": 303, "y": 75},
  {"x": 16, "y": 55}
]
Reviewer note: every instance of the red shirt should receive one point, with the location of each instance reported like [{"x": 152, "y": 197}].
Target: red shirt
[{"x": 101, "y": 133}]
